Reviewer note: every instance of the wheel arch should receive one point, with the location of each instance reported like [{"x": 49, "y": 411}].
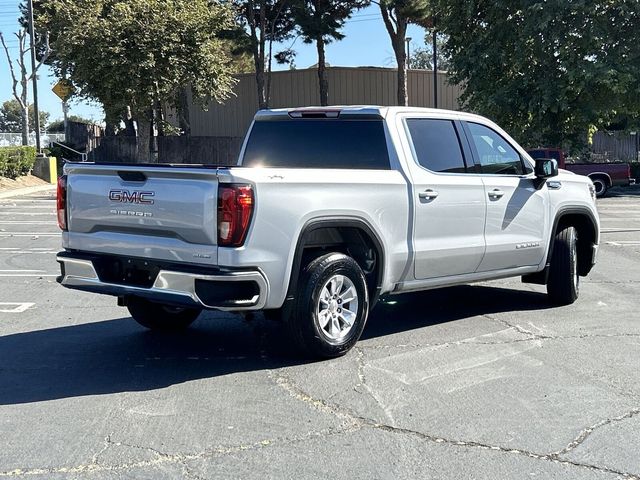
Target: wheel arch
[
  {"x": 604, "y": 175},
  {"x": 584, "y": 221},
  {"x": 339, "y": 234}
]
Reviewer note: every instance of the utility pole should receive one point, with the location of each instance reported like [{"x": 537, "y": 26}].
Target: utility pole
[
  {"x": 435, "y": 65},
  {"x": 408, "y": 40},
  {"x": 36, "y": 110}
]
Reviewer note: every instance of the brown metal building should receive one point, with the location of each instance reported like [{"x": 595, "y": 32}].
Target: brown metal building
[{"x": 297, "y": 88}]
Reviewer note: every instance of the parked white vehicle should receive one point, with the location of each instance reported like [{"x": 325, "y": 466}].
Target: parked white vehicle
[{"x": 328, "y": 209}]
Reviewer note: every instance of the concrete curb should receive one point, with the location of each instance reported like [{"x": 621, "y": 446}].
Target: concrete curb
[{"x": 18, "y": 192}]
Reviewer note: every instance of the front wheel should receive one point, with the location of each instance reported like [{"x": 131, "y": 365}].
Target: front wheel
[
  {"x": 156, "y": 316},
  {"x": 563, "y": 286},
  {"x": 332, "y": 306}
]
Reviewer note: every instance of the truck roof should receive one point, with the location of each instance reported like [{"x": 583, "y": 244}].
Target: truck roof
[{"x": 333, "y": 111}]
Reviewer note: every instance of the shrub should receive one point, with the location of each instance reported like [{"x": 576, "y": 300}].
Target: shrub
[{"x": 16, "y": 161}]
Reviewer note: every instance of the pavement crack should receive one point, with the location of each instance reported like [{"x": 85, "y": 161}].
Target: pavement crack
[
  {"x": 497, "y": 448},
  {"x": 518, "y": 328},
  {"x": 359, "y": 422},
  {"x": 372, "y": 393},
  {"x": 585, "y": 433}
]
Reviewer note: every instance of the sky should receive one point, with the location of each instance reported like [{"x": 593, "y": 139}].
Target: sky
[{"x": 366, "y": 43}]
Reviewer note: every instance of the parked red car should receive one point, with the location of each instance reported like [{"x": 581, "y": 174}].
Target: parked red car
[{"x": 603, "y": 175}]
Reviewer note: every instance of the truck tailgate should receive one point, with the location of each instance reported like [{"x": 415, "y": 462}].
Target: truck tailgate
[{"x": 161, "y": 212}]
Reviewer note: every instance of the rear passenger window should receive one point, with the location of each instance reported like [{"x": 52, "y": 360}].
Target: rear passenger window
[
  {"x": 317, "y": 143},
  {"x": 436, "y": 145},
  {"x": 496, "y": 156}
]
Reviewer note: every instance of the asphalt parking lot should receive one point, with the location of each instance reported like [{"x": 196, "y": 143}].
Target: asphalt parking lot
[{"x": 484, "y": 382}]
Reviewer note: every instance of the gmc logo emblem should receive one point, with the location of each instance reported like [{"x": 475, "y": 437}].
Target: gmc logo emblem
[{"x": 125, "y": 196}]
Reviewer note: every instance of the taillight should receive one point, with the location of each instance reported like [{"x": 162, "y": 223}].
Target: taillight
[
  {"x": 235, "y": 207},
  {"x": 61, "y": 203}
]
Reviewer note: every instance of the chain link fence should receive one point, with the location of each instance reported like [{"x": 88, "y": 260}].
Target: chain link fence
[{"x": 15, "y": 139}]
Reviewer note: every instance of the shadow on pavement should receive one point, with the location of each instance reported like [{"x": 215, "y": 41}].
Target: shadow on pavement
[
  {"x": 119, "y": 356},
  {"x": 619, "y": 192}
]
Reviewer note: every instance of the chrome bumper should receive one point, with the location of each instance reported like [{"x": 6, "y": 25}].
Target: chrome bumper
[{"x": 171, "y": 287}]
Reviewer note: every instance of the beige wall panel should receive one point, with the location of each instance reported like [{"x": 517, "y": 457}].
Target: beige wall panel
[{"x": 296, "y": 88}]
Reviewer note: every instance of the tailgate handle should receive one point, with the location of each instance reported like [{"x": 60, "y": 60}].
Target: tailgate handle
[{"x": 132, "y": 176}]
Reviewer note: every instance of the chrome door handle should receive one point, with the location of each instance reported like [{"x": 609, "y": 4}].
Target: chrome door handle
[
  {"x": 496, "y": 193},
  {"x": 428, "y": 194}
]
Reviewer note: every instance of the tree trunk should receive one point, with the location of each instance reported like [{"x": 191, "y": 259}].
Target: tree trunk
[
  {"x": 144, "y": 137},
  {"x": 257, "y": 44},
  {"x": 322, "y": 73},
  {"x": 24, "y": 125},
  {"x": 183, "y": 112},
  {"x": 129, "y": 124},
  {"x": 401, "y": 58}
]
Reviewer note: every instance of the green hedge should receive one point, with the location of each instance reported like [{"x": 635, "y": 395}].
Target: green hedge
[{"x": 16, "y": 161}]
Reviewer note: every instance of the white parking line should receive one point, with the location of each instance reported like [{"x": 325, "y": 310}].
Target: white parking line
[
  {"x": 27, "y": 214},
  {"x": 26, "y": 222},
  {"x": 28, "y": 234},
  {"x": 22, "y": 207},
  {"x": 39, "y": 275},
  {"x": 625, "y": 243},
  {"x": 619, "y": 230},
  {"x": 18, "y": 307}
]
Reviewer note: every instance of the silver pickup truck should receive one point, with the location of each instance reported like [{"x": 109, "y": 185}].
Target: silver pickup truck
[{"x": 327, "y": 210}]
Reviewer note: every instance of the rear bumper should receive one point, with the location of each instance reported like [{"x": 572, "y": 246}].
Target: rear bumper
[{"x": 222, "y": 290}]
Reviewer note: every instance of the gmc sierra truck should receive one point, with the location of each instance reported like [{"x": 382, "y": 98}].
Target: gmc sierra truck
[{"x": 327, "y": 210}]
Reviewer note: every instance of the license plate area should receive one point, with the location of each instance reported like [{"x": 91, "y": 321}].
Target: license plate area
[{"x": 134, "y": 272}]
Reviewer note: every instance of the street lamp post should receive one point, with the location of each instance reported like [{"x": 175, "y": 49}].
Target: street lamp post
[
  {"x": 36, "y": 110},
  {"x": 435, "y": 65}
]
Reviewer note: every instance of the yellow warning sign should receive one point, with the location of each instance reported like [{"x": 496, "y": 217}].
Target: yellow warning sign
[{"x": 63, "y": 89}]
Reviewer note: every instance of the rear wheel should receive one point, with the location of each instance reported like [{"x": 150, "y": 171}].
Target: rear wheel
[
  {"x": 563, "y": 286},
  {"x": 601, "y": 186},
  {"x": 156, "y": 316},
  {"x": 332, "y": 307}
]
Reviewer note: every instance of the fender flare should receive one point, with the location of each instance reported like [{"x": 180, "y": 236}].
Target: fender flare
[{"x": 328, "y": 222}]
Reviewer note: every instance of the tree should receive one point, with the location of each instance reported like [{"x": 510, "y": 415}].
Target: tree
[
  {"x": 320, "y": 22},
  {"x": 23, "y": 78},
  {"x": 267, "y": 21},
  {"x": 397, "y": 15},
  {"x": 138, "y": 55},
  {"x": 11, "y": 117},
  {"x": 547, "y": 71},
  {"x": 57, "y": 126},
  {"x": 421, "y": 57}
]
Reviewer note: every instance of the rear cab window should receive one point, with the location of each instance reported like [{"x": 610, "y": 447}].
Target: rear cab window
[
  {"x": 436, "y": 145},
  {"x": 318, "y": 143}
]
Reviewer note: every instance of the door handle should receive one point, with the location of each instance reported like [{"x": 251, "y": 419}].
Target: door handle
[
  {"x": 496, "y": 193},
  {"x": 428, "y": 194}
]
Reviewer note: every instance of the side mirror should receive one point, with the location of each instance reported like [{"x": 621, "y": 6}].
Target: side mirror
[{"x": 546, "y": 168}]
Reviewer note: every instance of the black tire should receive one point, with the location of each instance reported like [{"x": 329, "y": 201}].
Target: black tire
[
  {"x": 305, "y": 322},
  {"x": 601, "y": 186},
  {"x": 156, "y": 316},
  {"x": 563, "y": 285}
]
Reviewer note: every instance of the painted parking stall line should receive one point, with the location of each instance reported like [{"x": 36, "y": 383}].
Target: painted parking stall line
[
  {"x": 15, "y": 307},
  {"x": 29, "y": 234}
]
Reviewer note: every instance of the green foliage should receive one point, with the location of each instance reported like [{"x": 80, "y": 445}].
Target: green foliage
[
  {"x": 11, "y": 116},
  {"x": 16, "y": 161},
  {"x": 545, "y": 70},
  {"x": 323, "y": 19},
  {"x": 409, "y": 11},
  {"x": 422, "y": 56},
  {"x": 57, "y": 126},
  {"x": 139, "y": 53}
]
